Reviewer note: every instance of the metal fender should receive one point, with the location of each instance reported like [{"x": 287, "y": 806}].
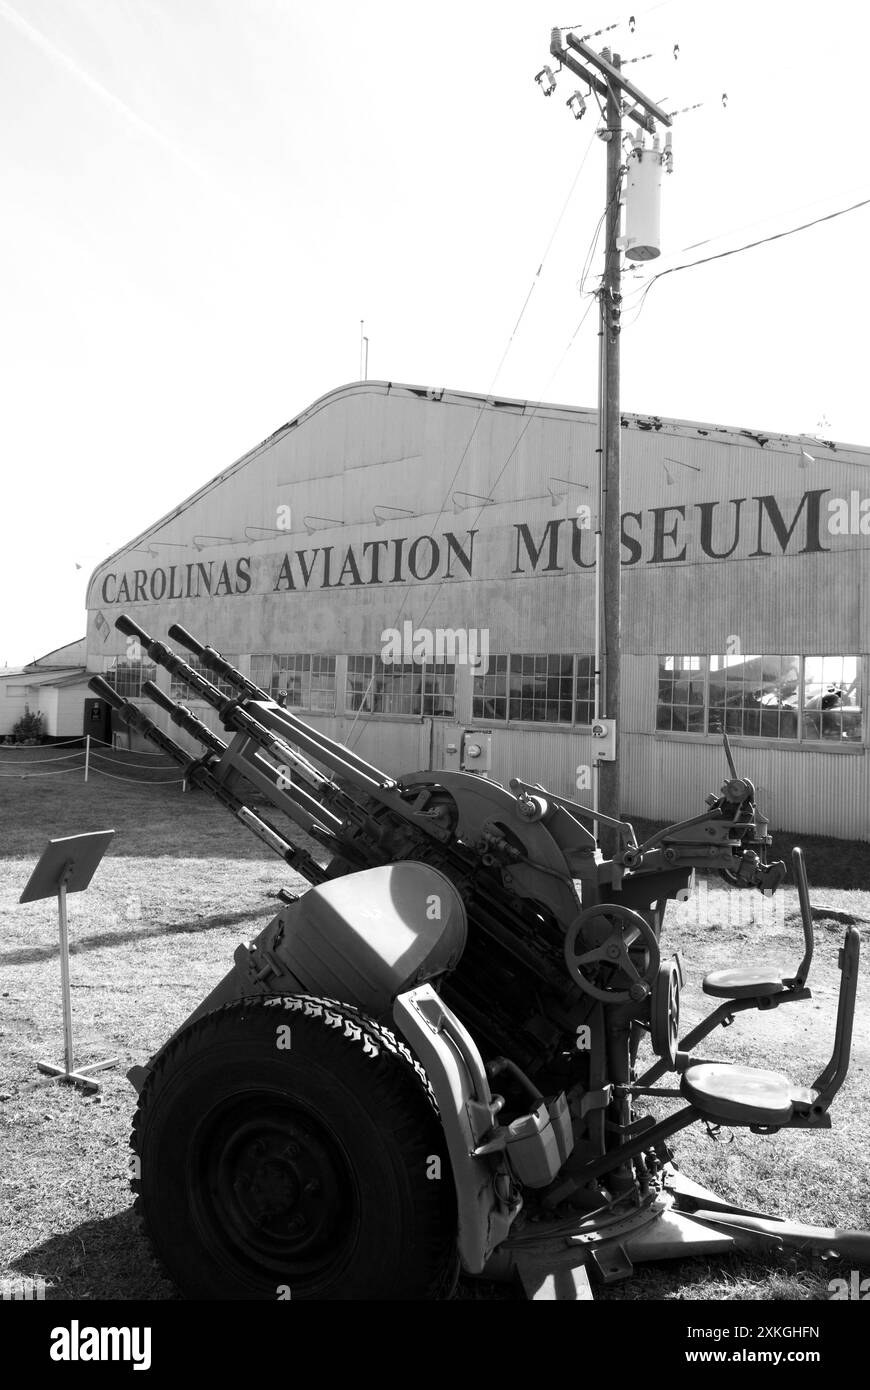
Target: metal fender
[{"x": 486, "y": 1196}]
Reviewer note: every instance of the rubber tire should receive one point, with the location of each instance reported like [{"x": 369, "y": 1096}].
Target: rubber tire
[{"x": 350, "y": 1083}]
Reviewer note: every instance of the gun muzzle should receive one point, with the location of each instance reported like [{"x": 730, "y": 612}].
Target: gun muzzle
[
  {"x": 106, "y": 692},
  {"x": 184, "y": 718}
]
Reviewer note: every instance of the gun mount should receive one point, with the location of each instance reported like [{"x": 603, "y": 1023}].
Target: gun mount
[{"x": 458, "y": 934}]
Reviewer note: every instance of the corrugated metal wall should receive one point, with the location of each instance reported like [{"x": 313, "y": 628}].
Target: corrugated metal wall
[{"x": 373, "y": 465}]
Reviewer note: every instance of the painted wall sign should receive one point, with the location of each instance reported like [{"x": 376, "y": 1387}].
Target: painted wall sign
[{"x": 742, "y": 527}]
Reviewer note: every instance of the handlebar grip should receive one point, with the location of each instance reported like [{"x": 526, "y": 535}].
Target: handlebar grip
[
  {"x": 181, "y": 635},
  {"x": 106, "y": 692}
]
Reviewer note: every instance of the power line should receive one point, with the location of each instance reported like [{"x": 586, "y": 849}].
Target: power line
[
  {"x": 349, "y": 740},
  {"x": 482, "y": 407},
  {"x": 748, "y": 246}
]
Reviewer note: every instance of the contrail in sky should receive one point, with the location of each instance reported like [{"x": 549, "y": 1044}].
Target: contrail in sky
[{"x": 108, "y": 98}]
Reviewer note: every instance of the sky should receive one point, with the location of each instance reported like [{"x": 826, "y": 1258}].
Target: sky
[{"x": 202, "y": 199}]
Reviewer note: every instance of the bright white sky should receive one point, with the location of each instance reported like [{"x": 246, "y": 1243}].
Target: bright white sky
[{"x": 202, "y": 198}]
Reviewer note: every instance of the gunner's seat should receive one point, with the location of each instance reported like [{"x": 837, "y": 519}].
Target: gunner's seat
[
  {"x": 761, "y": 981},
  {"x": 744, "y": 1095},
  {"x": 736, "y": 1095}
]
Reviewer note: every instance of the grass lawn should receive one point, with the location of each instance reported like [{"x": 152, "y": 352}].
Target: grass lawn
[{"x": 182, "y": 884}]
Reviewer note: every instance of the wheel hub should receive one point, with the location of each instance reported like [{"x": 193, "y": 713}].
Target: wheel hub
[{"x": 277, "y": 1186}]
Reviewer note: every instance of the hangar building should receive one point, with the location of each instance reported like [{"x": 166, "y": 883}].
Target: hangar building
[{"x": 413, "y": 569}]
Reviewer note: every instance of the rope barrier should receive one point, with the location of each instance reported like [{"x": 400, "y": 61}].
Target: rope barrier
[
  {"x": 143, "y": 752},
  {"x": 64, "y": 758},
  {"x": 64, "y": 743},
  {"x": 150, "y": 766},
  {"x": 11, "y": 777},
  {"x": 139, "y": 781}
]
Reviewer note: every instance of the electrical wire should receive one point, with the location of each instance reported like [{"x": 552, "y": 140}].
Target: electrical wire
[
  {"x": 747, "y": 246},
  {"x": 483, "y": 403},
  {"x": 349, "y": 740},
  {"x": 529, "y": 418}
]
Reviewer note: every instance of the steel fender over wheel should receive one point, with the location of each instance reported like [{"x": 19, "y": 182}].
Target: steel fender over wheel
[{"x": 289, "y": 1147}]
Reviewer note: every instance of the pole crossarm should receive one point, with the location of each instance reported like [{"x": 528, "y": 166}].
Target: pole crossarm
[{"x": 614, "y": 78}]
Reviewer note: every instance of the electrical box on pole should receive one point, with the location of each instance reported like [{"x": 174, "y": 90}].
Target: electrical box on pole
[{"x": 643, "y": 198}]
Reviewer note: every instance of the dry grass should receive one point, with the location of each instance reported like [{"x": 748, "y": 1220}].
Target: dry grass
[{"x": 181, "y": 885}]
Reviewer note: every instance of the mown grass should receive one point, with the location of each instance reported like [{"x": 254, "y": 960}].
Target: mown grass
[{"x": 182, "y": 884}]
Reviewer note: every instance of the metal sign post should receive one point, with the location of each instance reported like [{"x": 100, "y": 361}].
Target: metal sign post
[{"x": 67, "y": 866}]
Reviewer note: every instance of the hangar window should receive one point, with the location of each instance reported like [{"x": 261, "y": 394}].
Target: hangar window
[
  {"x": 808, "y": 699},
  {"x": 755, "y": 696},
  {"x": 541, "y": 688},
  {"x": 831, "y": 704},
  {"x": 360, "y": 683},
  {"x": 375, "y": 686},
  {"x": 490, "y": 690},
  {"x": 439, "y": 689},
  {"x": 128, "y": 677},
  {"x": 180, "y": 690},
  {"x": 680, "y": 703},
  {"x": 301, "y": 680}
]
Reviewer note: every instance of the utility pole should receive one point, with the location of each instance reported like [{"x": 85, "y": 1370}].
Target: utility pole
[
  {"x": 609, "y": 300},
  {"x": 603, "y": 75}
]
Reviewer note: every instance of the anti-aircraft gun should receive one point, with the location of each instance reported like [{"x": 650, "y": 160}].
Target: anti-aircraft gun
[{"x": 430, "y": 1059}]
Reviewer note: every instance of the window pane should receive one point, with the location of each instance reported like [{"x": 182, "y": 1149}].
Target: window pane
[
  {"x": 322, "y": 693},
  {"x": 680, "y": 702},
  {"x": 128, "y": 677},
  {"x": 489, "y": 700},
  {"x": 535, "y": 688},
  {"x": 439, "y": 689},
  {"x": 399, "y": 687},
  {"x": 832, "y": 699},
  {"x": 753, "y": 695},
  {"x": 360, "y": 683}
]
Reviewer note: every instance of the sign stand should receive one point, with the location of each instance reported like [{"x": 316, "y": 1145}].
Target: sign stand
[{"x": 67, "y": 866}]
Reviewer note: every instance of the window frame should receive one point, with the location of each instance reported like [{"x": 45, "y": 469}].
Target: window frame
[
  {"x": 423, "y": 671},
  {"x": 766, "y": 740},
  {"x": 303, "y": 671},
  {"x": 147, "y": 672},
  {"x": 518, "y": 722}
]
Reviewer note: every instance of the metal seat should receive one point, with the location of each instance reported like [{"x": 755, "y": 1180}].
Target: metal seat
[
  {"x": 762, "y": 981},
  {"x": 743, "y": 1095},
  {"x": 745, "y": 984}
]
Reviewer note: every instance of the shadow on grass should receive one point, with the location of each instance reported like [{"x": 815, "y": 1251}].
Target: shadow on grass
[
  {"x": 99, "y": 1260},
  {"x": 32, "y": 955}
]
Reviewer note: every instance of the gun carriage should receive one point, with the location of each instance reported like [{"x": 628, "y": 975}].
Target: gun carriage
[{"x": 430, "y": 1060}]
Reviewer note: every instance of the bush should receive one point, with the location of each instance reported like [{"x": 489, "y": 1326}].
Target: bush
[{"x": 30, "y": 727}]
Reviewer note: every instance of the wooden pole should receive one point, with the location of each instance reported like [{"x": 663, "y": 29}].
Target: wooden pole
[{"x": 608, "y": 782}]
